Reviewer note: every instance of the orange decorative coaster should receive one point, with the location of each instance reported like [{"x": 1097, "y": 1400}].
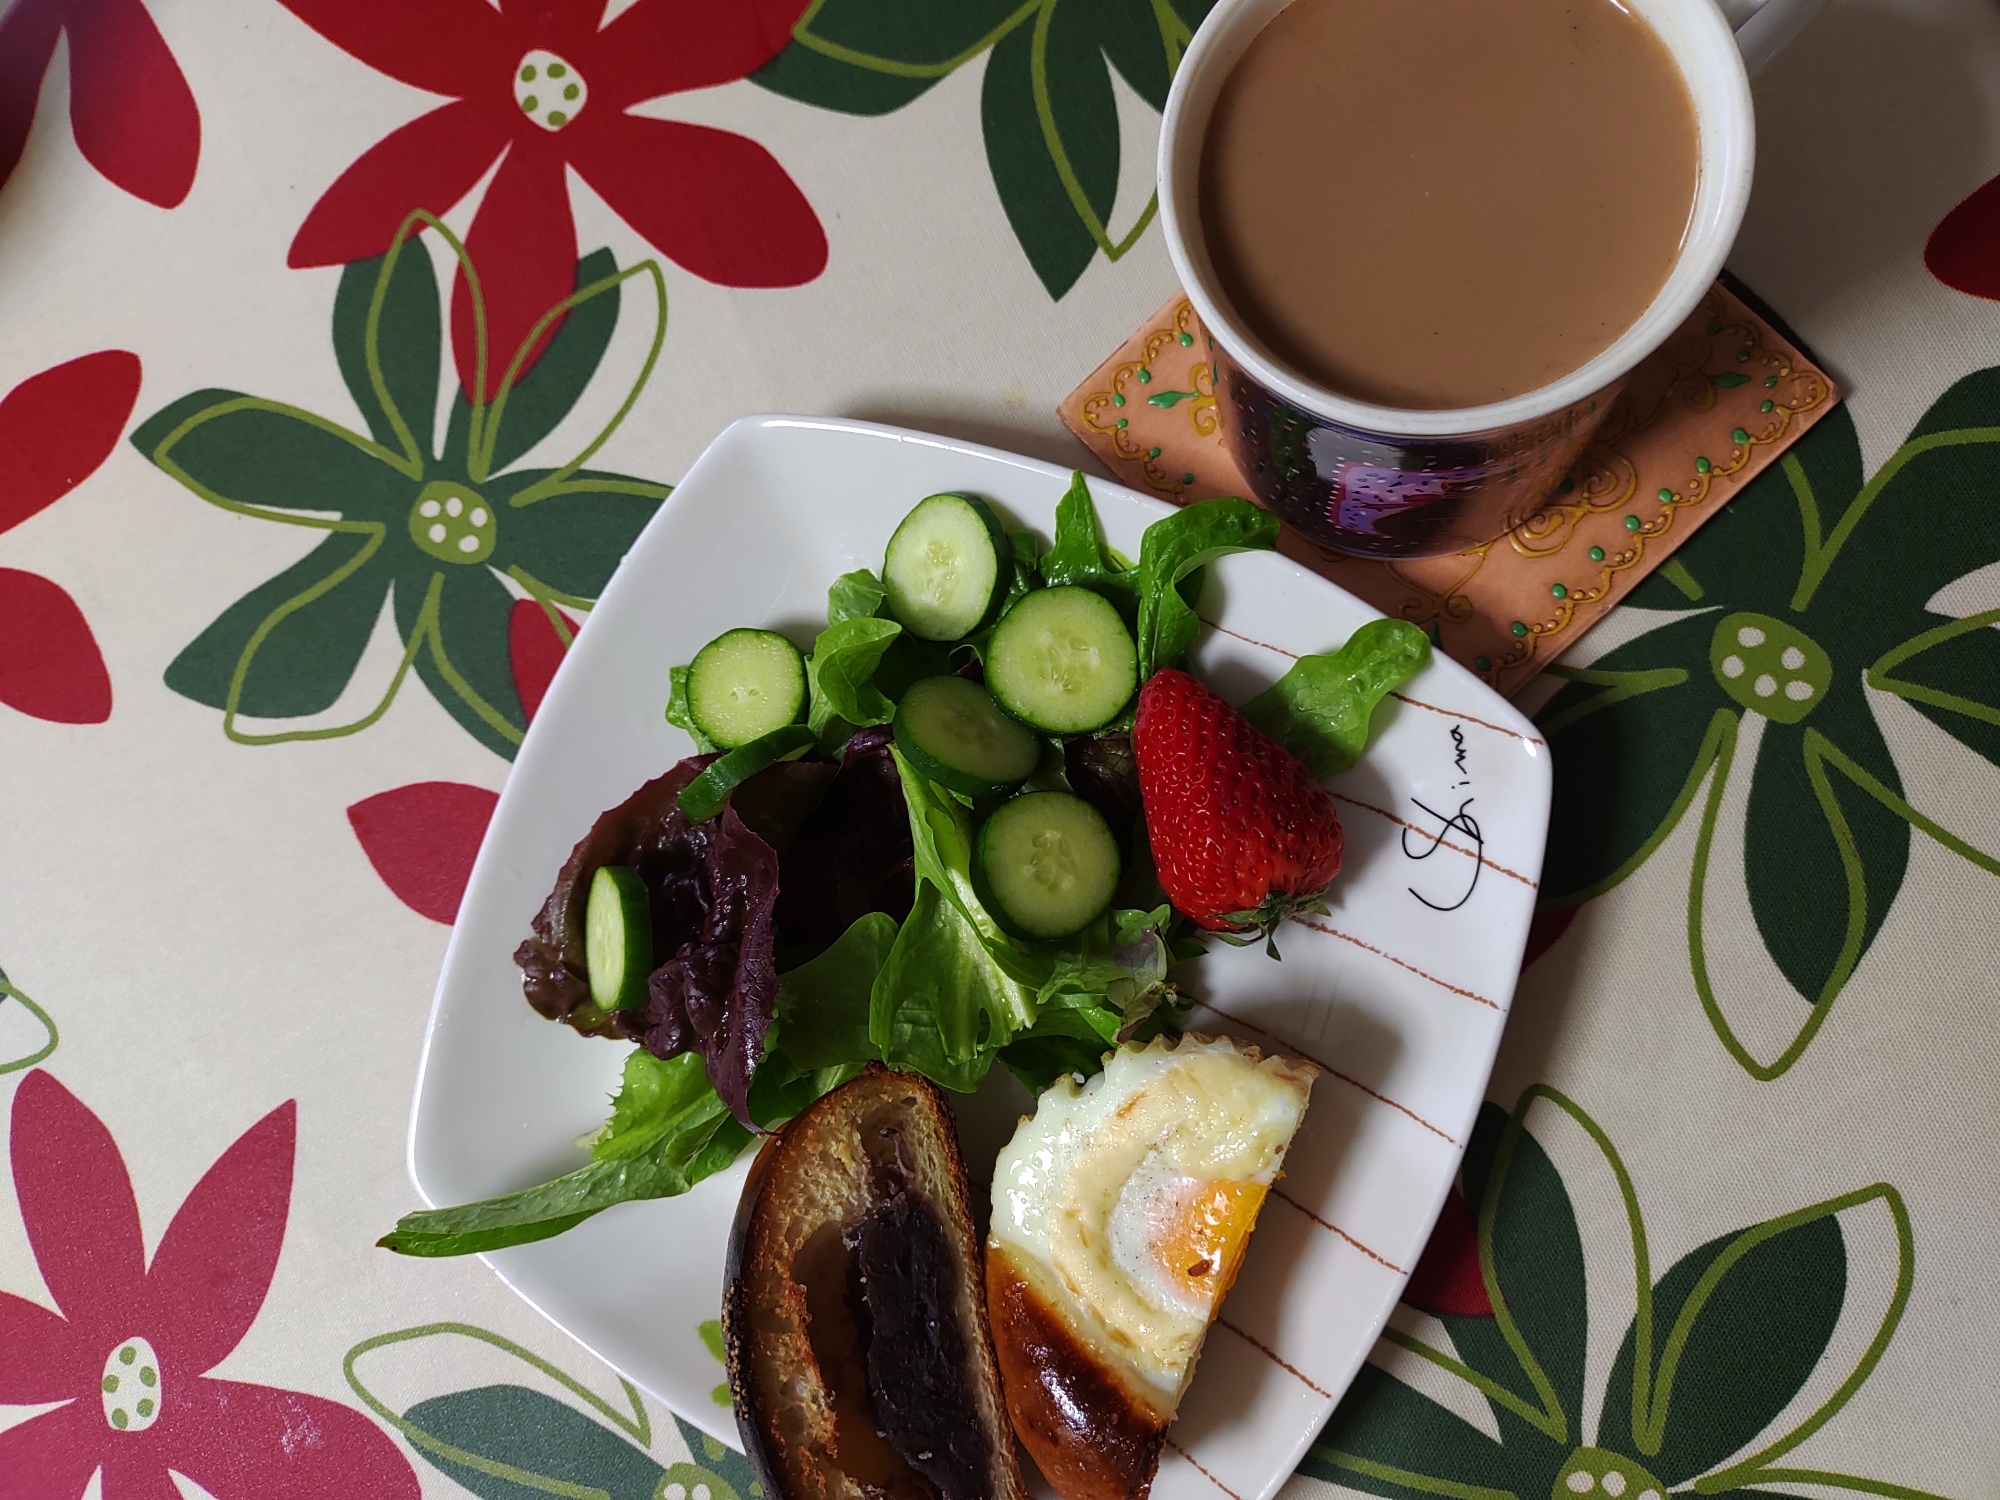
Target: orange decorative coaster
[{"x": 1697, "y": 421}]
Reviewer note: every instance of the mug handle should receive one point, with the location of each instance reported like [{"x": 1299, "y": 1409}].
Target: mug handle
[{"x": 1773, "y": 27}]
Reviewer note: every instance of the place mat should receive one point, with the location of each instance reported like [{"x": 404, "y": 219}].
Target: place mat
[{"x": 1698, "y": 420}]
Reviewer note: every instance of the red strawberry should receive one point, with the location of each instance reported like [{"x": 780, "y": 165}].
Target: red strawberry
[{"x": 1241, "y": 833}]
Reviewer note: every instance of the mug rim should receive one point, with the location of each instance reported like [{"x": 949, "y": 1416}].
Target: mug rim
[{"x": 1725, "y": 158}]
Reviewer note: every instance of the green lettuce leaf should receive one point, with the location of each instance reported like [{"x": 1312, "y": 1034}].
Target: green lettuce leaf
[
  {"x": 840, "y": 677},
  {"x": 1080, "y": 559},
  {"x": 1171, "y": 553},
  {"x": 1320, "y": 710},
  {"x": 941, "y": 1005},
  {"x": 667, "y": 1131},
  {"x": 854, "y": 595},
  {"x": 950, "y": 993},
  {"x": 823, "y": 1006},
  {"x": 680, "y": 716}
]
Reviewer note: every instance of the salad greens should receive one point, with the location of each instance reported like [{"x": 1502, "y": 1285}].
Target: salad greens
[
  {"x": 1320, "y": 710},
  {"x": 1171, "y": 555},
  {"x": 827, "y": 917}
]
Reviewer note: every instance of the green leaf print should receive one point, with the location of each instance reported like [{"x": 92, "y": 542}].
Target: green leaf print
[
  {"x": 510, "y": 1442},
  {"x": 1047, "y": 110},
  {"x": 453, "y": 536},
  {"x": 408, "y": 332},
  {"x": 264, "y": 659},
  {"x": 1754, "y": 1338},
  {"x": 514, "y": 1428},
  {"x": 1813, "y": 586},
  {"x": 1713, "y": 1354}
]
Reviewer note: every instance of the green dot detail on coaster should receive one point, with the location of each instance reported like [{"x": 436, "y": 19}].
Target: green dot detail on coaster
[
  {"x": 1743, "y": 357},
  {"x": 1187, "y": 341},
  {"x": 1633, "y": 523},
  {"x": 1738, "y": 435},
  {"x": 1566, "y": 486},
  {"x": 453, "y": 523},
  {"x": 544, "y": 107},
  {"x": 1187, "y": 479},
  {"x": 1519, "y": 628},
  {"x": 1152, "y": 453},
  {"x": 1145, "y": 376},
  {"x": 131, "y": 1405},
  {"x": 1702, "y": 465},
  {"x": 1597, "y": 554},
  {"x": 1559, "y": 590},
  {"x": 1770, "y": 667},
  {"x": 1116, "y": 399},
  {"x": 1666, "y": 495},
  {"x": 1771, "y": 382},
  {"x": 1123, "y": 423},
  {"x": 1714, "y": 329},
  {"x": 1482, "y": 663},
  {"x": 1766, "y": 404}
]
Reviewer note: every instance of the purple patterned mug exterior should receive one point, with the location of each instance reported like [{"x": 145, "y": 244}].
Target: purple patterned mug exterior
[{"x": 1381, "y": 481}]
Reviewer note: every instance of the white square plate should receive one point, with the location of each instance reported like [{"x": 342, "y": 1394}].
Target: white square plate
[{"x": 1401, "y": 993}]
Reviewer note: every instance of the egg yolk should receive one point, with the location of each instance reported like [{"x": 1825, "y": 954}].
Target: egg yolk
[{"x": 1200, "y": 1242}]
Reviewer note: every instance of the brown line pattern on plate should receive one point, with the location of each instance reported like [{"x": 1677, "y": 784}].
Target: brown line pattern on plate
[
  {"x": 1264, "y": 1349},
  {"x": 1348, "y": 1079},
  {"x": 1443, "y": 984},
  {"x": 1450, "y": 713},
  {"x": 1332, "y": 1228},
  {"x": 1383, "y": 812},
  {"x": 1203, "y": 1472}
]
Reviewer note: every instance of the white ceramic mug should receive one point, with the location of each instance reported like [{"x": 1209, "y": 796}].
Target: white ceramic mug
[{"x": 1384, "y": 481}]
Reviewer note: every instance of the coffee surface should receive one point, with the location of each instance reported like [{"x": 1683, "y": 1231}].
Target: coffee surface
[{"x": 1442, "y": 203}]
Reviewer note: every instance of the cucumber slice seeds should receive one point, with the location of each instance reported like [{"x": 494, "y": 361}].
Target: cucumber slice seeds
[
  {"x": 953, "y": 732},
  {"x": 1062, "y": 660},
  {"x": 1047, "y": 864},
  {"x": 942, "y": 571},
  {"x": 617, "y": 938},
  {"x": 744, "y": 684}
]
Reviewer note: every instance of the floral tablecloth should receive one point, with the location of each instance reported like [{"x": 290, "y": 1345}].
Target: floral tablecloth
[{"x": 1730, "y": 1221}]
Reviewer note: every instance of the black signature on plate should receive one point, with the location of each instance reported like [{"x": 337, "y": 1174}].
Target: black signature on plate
[{"x": 1461, "y": 822}]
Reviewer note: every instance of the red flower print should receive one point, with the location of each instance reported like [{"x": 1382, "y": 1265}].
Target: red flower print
[
  {"x": 536, "y": 645},
  {"x": 129, "y": 108},
  {"x": 541, "y": 82},
  {"x": 56, "y": 428},
  {"x": 128, "y": 1354},
  {"x": 422, "y": 840},
  {"x": 1448, "y": 1278},
  {"x": 1964, "y": 250}
]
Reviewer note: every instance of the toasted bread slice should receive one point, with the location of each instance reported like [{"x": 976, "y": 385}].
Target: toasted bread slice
[
  {"x": 1122, "y": 1211},
  {"x": 859, "y": 1355}
]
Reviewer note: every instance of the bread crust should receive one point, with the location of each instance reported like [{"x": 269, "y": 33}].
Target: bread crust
[
  {"x": 812, "y": 1175},
  {"x": 1091, "y": 1436}
]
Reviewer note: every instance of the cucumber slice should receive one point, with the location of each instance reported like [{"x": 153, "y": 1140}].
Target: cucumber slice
[
  {"x": 702, "y": 798},
  {"x": 943, "y": 572},
  {"x": 617, "y": 938},
  {"x": 1046, "y": 864},
  {"x": 744, "y": 684},
  {"x": 953, "y": 732},
  {"x": 1062, "y": 660}
]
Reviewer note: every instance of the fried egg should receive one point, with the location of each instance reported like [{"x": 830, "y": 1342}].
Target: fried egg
[{"x": 1130, "y": 1198}]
